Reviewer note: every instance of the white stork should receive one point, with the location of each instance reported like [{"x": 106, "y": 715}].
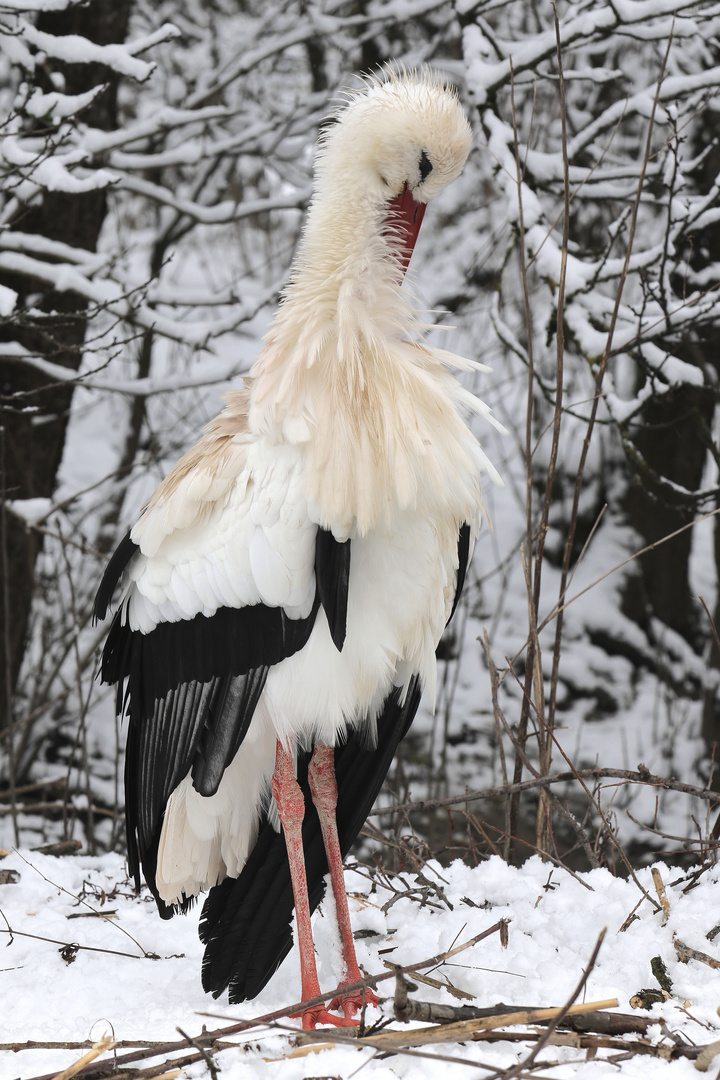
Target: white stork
[{"x": 284, "y": 590}]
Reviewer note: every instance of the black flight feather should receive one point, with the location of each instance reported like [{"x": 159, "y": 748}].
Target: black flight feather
[
  {"x": 113, "y": 572},
  {"x": 225, "y": 728},
  {"x": 195, "y": 726},
  {"x": 245, "y": 923},
  {"x": 463, "y": 559},
  {"x": 332, "y": 574}
]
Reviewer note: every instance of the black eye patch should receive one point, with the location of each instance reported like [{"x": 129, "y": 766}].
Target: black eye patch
[{"x": 425, "y": 166}]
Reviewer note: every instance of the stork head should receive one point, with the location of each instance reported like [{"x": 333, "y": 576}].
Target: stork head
[{"x": 393, "y": 148}]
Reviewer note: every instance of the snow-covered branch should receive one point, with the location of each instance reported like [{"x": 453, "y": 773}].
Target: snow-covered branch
[{"x": 72, "y": 49}]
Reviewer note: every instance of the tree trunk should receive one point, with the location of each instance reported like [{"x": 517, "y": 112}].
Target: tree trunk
[
  {"x": 35, "y": 413},
  {"x": 668, "y": 443}
]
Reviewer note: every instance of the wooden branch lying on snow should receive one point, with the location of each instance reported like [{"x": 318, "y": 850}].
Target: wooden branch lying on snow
[
  {"x": 106, "y": 1043},
  {"x": 430, "y": 1012},
  {"x": 464, "y": 1030},
  {"x": 685, "y": 953}
]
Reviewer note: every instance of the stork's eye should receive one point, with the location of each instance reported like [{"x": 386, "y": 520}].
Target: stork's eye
[{"x": 425, "y": 166}]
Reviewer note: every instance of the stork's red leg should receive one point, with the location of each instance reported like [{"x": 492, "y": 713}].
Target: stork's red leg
[
  {"x": 291, "y": 809},
  {"x": 323, "y": 785}
]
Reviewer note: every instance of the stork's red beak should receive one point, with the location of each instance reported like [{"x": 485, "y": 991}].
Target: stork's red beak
[{"x": 404, "y": 218}]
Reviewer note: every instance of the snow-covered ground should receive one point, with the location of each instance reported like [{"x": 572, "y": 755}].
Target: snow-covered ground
[{"x": 55, "y": 994}]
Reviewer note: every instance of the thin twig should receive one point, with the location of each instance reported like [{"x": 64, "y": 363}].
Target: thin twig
[
  {"x": 567, "y": 1009},
  {"x": 522, "y": 722},
  {"x": 547, "y": 723},
  {"x": 75, "y": 945},
  {"x": 6, "y": 657},
  {"x": 642, "y": 776}
]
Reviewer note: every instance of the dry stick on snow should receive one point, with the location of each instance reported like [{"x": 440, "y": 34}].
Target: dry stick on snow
[
  {"x": 347, "y": 1040},
  {"x": 334, "y": 1036},
  {"x": 438, "y": 984},
  {"x": 141, "y": 1073},
  {"x": 662, "y": 895},
  {"x": 166, "y": 1069},
  {"x": 586, "y": 1041},
  {"x": 706, "y": 1056},
  {"x": 578, "y": 1040},
  {"x": 406, "y": 1008},
  {"x": 210, "y": 1038},
  {"x": 463, "y": 1030},
  {"x": 62, "y": 847},
  {"x": 685, "y": 953},
  {"x": 430, "y": 1012},
  {"x": 204, "y": 1054},
  {"x": 75, "y": 846},
  {"x": 74, "y": 945},
  {"x": 84, "y": 1044},
  {"x": 106, "y": 1043}
]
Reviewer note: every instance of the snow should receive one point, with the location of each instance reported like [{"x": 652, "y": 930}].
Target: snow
[
  {"x": 57, "y": 105},
  {"x": 112, "y": 984},
  {"x": 8, "y": 299},
  {"x": 32, "y": 511},
  {"x": 25, "y": 6}
]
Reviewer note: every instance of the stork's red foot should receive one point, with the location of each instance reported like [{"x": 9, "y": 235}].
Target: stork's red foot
[
  {"x": 348, "y": 1004},
  {"x": 318, "y": 1016},
  {"x": 352, "y": 1003}
]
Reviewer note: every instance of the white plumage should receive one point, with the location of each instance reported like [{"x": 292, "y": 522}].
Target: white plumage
[{"x": 349, "y": 428}]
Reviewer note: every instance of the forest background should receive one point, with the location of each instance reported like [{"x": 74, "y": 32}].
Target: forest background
[{"x": 156, "y": 161}]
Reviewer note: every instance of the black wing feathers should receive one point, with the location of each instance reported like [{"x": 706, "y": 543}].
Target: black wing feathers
[
  {"x": 245, "y": 922},
  {"x": 463, "y": 559},
  {"x": 159, "y": 753},
  {"x": 113, "y": 572},
  {"x": 190, "y": 689},
  {"x": 233, "y": 641},
  {"x": 332, "y": 574},
  {"x": 226, "y": 724}
]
